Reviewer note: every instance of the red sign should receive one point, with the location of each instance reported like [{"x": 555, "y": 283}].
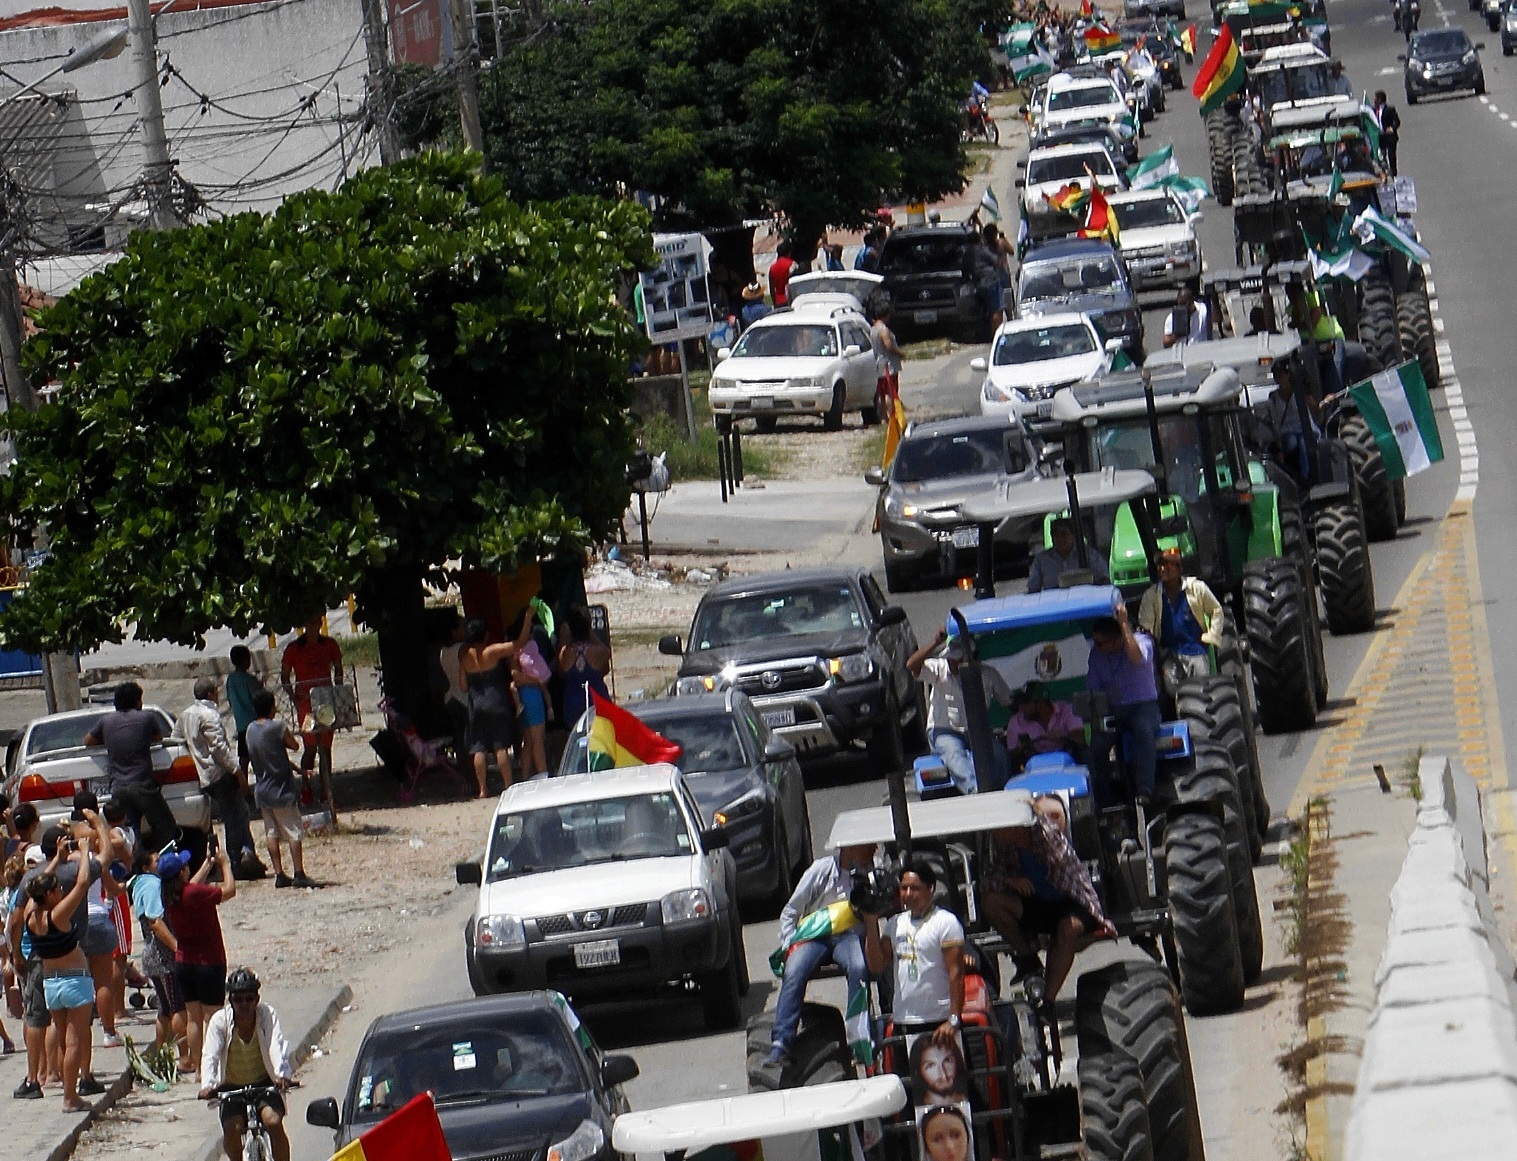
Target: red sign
[{"x": 416, "y": 30}]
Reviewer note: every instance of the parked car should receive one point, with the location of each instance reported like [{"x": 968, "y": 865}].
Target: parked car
[
  {"x": 744, "y": 777},
  {"x": 1158, "y": 239},
  {"x": 802, "y": 360},
  {"x": 49, "y": 763},
  {"x": 1031, "y": 358},
  {"x": 1082, "y": 275},
  {"x": 941, "y": 280},
  {"x": 512, "y": 1076},
  {"x": 1442, "y": 60},
  {"x": 607, "y": 883},
  {"x": 1508, "y": 28},
  {"x": 821, "y": 653},
  {"x": 939, "y": 465}
]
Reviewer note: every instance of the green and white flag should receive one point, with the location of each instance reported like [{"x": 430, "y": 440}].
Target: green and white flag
[
  {"x": 1191, "y": 191},
  {"x": 1372, "y": 226},
  {"x": 856, "y": 1024},
  {"x": 1026, "y": 54},
  {"x": 1339, "y": 259},
  {"x": 1154, "y": 168},
  {"x": 990, "y": 205},
  {"x": 1395, "y": 405}
]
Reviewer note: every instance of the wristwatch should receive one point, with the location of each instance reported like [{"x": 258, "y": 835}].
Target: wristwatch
[{"x": 955, "y": 1023}]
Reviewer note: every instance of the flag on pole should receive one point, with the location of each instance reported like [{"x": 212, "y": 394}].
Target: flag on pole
[
  {"x": 1100, "y": 38},
  {"x": 1086, "y": 10},
  {"x": 895, "y": 427},
  {"x": 1372, "y": 226},
  {"x": 617, "y": 738},
  {"x": 1191, "y": 191},
  {"x": 1030, "y": 60},
  {"x": 1067, "y": 198},
  {"x": 856, "y": 1026},
  {"x": 1221, "y": 74},
  {"x": 1396, "y": 407},
  {"x": 990, "y": 205},
  {"x": 411, "y": 1133},
  {"x": 1100, "y": 221},
  {"x": 1339, "y": 262},
  {"x": 582, "y": 1035},
  {"x": 1334, "y": 183},
  {"x": 1188, "y": 41},
  {"x": 1153, "y": 169}
]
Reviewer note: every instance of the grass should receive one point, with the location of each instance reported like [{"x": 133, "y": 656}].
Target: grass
[
  {"x": 871, "y": 450},
  {"x": 361, "y": 649},
  {"x": 697, "y": 460},
  {"x": 1411, "y": 773},
  {"x": 926, "y": 349}
]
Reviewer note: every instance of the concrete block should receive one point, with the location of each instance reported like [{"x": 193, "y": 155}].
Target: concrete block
[
  {"x": 1447, "y": 1122},
  {"x": 1452, "y": 1040},
  {"x": 1435, "y": 948},
  {"x": 1434, "y": 774},
  {"x": 1411, "y": 985},
  {"x": 1442, "y": 904},
  {"x": 1433, "y": 851}
]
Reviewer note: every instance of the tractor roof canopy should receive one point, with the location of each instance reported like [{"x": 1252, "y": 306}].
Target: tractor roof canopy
[
  {"x": 1014, "y": 500},
  {"x": 938, "y": 818},
  {"x": 1120, "y": 395},
  {"x": 1251, "y": 356}
]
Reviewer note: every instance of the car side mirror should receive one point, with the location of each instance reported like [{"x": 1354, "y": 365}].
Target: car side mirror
[
  {"x": 714, "y": 839},
  {"x": 615, "y": 1070},
  {"x": 467, "y": 875},
  {"x": 1022, "y": 164},
  {"x": 851, "y": 351},
  {"x": 874, "y": 477},
  {"x": 778, "y": 750},
  {"x": 979, "y": 364},
  {"x": 323, "y": 1114},
  {"x": 892, "y": 615},
  {"x": 670, "y": 645},
  {"x": 1112, "y": 346},
  {"x": 1020, "y": 183},
  {"x": 723, "y": 353}
]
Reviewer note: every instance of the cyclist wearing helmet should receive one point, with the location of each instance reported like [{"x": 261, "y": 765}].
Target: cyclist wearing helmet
[{"x": 244, "y": 1045}]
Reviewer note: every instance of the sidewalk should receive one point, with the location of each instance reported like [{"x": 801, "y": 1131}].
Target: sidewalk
[
  {"x": 761, "y": 516},
  {"x": 41, "y": 1131}
]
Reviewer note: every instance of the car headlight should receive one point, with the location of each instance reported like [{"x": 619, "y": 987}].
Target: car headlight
[
  {"x": 720, "y": 384},
  {"x": 1469, "y": 57},
  {"x": 997, "y": 394},
  {"x": 808, "y": 381},
  {"x": 750, "y": 803},
  {"x": 1183, "y": 249},
  {"x": 706, "y": 683},
  {"x": 851, "y": 666},
  {"x": 898, "y": 508},
  {"x": 581, "y": 1145},
  {"x": 679, "y": 906},
  {"x": 501, "y": 932},
  {"x": 1427, "y": 70}
]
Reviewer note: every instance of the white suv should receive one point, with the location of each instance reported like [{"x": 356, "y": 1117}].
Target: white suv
[
  {"x": 1031, "y": 358},
  {"x": 606, "y": 882},
  {"x": 1158, "y": 237},
  {"x": 799, "y": 361},
  {"x": 1079, "y": 100}
]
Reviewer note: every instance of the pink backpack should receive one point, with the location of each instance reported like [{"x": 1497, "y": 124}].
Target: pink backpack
[{"x": 532, "y": 664}]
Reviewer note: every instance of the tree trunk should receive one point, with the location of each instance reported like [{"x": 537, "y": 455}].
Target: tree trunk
[{"x": 393, "y": 604}]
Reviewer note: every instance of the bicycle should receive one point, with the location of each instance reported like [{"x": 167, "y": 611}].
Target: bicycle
[{"x": 256, "y": 1145}]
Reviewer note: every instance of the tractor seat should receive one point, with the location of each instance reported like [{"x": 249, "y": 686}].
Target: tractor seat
[{"x": 1051, "y": 773}]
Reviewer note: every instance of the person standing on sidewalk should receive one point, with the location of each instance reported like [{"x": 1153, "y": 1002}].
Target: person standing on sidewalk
[
  {"x": 189, "y": 906},
  {"x": 270, "y": 743},
  {"x": 159, "y": 948},
  {"x": 887, "y": 354},
  {"x": 129, "y": 736},
  {"x": 28, "y": 969},
  {"x": 205, "y": 738},
  {"x": 240, "y": 686},
  {"x": 311, "y": 661},
  {"x": 244, "y": 1045}
]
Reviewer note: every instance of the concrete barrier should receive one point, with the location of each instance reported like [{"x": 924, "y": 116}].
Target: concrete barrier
[{"x": 1438, "y": 1078}]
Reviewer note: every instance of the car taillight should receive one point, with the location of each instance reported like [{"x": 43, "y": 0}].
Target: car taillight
[
  {"x": 181, "y": 770},
  {"x": 35, "y": 788}
]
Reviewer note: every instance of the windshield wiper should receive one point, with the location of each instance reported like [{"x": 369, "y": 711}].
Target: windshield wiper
[{"x": 473, "y": 1094}]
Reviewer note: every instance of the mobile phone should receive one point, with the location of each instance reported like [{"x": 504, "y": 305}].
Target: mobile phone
[{"x": 211, "y": 843}]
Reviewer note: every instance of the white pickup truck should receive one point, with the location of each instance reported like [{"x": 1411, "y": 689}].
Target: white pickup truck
[{"x": 49, "y": 763}]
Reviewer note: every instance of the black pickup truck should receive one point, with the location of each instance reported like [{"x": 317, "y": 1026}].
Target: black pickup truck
[{"x": 821, "y": 653}]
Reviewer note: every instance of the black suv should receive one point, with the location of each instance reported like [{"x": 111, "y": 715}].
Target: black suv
[
  {"x": 940, "y": 279},
  {"x": 1441, "y": 60},
  {"x": 821, "y": 653}
]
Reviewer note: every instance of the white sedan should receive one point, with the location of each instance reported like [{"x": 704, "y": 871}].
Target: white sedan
[{"x": 1031, "y": 358}]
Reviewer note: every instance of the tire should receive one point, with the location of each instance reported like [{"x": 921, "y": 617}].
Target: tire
[
  {"x": 1214, "y": 712},
  {"x": 1231, "y": 665},
  {"x": 1377, "y": 318},
  {"x": 1411, "y": 97},
  {"x": 1280, "y": 653},
  {"x": 1114, "y": 1108},
  {"x": 1219, "y": 152},
  {"x": 721, "y": 992},
  {"x": 1130, "y": 1007},
  {"x": 1377, "y": 491},
  {"x": 1419, "y": 339},
  {"x": 1248, "y": 169},
  {"x": 820, "y": 1053},
  {"x": 1209, "y": 961},
  {"x": 914, "y": 737},
  {"x": 886, "y": 746},
  {"x": 1296, "y": 547},
  {"x": 833, "y": 420},
  {"x": 784, "y": 879},
  {"x": 1343, "y": 565}
]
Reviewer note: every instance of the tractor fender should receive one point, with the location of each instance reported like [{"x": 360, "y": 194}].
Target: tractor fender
[{"x": 1329, "y": 493}]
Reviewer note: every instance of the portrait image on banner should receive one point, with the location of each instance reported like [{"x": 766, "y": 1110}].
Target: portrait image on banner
[
  {"x": 676, "y": 301},
  {"x": 939, "y": 1080}
]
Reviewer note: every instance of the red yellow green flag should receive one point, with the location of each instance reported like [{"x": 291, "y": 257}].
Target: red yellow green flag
[
  {"x": 617, "y": 738},
  {"x": 1221, "y": 74},
  {"x": 1188, "y": 41},
  {"x": 1100, "y": 222},
  {"x": 411, "y": 1133},
  {"x": 1099, "y": 38},
  {"x": 1068, "y": 198}
]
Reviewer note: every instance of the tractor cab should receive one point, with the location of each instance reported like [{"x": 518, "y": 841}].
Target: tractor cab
[{"x": 1310, "y": 145}]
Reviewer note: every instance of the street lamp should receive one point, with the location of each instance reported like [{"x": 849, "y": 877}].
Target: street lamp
[{"x": 103, "y": 47}]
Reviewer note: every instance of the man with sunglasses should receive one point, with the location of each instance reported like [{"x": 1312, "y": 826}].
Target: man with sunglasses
[{"x": 244, "y": 1045}]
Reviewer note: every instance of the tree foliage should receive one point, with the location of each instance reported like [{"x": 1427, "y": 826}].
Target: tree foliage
[
  {"x": 258, "y": 416},
  {"x": 727, "y": 109}
]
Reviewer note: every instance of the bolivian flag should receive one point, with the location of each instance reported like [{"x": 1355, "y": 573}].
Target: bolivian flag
[
  {"x": 834, "y": 919},
  {"x": 411, "y": 1133},
  {"x": 1068, "y": 198},
  {"x": 1188, "y": 41},
  {"x": 617, "y": 738},
  {"x": 1100, "y": 222},
  {"x": 1100, "y": 38},
  {"x": 1221, "y": 74}
]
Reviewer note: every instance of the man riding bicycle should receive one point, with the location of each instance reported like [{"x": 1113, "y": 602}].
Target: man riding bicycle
[{"x": 245, "y": 1047}]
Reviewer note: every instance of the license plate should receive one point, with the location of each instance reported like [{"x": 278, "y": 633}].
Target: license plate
[
  {"x": 762, "y": 403},
  {"x": 966, "y": 537},
  {"x": 780, "y": 717},
  {"x": 601, "y": 953},
  {"x": 923, "y": 317}
]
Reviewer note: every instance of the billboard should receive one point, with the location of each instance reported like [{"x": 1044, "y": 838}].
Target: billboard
[
  {"x": 416, "y": 31},
  {"x": 676, "y": 301}
]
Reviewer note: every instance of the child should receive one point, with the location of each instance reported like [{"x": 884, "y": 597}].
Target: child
[
  {"x": 240, "y": 687},
  {"x": 270, "y": 743}
]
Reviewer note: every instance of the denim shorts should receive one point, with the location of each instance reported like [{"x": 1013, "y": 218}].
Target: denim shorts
[
  {"x": 100, "y": 936},
  {"x": 64, "y": 992}
]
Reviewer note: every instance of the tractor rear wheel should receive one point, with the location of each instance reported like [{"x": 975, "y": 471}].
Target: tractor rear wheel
[
  {"x": 820, "y": 1053},
  {"x": 1343, "y": 564},
  {"x": 1130, "y": 1007},
  {"x": 1376, "y": 490},
  {"x": 1377, "y": 318},
  {"x": 1213, "y": 709},
  {"x": 1197, "y": 869},
  {"x": 1280, "y": 652},
  {"x": 1249, "y": 177},
  {"x": 1219, "y": 151},
  {"x": 1414, "y": 328},
  {"x": 1114, "y": 1109},
  {"x": 1231, "y": 665}
]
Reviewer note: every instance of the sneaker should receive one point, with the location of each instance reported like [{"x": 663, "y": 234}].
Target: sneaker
[
  {"x": 28, "y": 1090},
  {"x": 89, "y": 1086},
  {"x": 1026, "y": 965},
  {"x": 112, "y": 1040},
  {"x": 302, "y": 880},
  {"x": 779, "y": 1057},
  {"x": 249, "y": 869},
  {"x": 283, "y": 880}
]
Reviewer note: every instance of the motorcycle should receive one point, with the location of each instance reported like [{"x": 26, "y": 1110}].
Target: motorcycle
[
  {"x": 1407, "y": 16},
  {"x": 979, "y": 124}
]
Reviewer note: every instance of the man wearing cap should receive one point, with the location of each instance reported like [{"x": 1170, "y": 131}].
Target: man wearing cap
[
  {"x": 1183, "y": 615},
  {"x": 827, "y": 881},
  {"x": 947, "y": 723},
  {"x": 1052, "y": 563},
  {"x": 1122, "y": 667}
]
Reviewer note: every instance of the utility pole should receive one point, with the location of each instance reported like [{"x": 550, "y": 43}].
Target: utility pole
[
  {"x": 157, "y": 169},
  {"x": 466, "y": 62},
  {"x": 381, "y": 82}
]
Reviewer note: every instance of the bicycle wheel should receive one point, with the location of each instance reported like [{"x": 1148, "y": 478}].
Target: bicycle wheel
[{"x": 255, "y": 1143}]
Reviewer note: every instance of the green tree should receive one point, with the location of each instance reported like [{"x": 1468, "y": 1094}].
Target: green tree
[
  {"x": 257, "y": 416},
  {"x": 728, "y": 109}
]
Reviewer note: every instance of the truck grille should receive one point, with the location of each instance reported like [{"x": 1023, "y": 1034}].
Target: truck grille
[
  {"x": 626, "y": 915},
  {"x": 782, "y": 677}
]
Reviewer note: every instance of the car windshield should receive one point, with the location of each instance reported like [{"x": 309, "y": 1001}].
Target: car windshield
[
  {"x": 1040, "y": 344},
  {"x": 582, "y": 834},
  {"x": 1097, "y": 274},
  {"x": 1444, "y": 42},
  {"x": 709, "y": 740},
  {"x": 824, "y": 608},
  {"x": 966, "y": 453},
  {"x": 492, "y": 1057},
  {"x": 924, "y": 254},
  {"x": 1303, "y": 83},
  {"x": 54, "y": 734},
  {"x": 1148, "y": 212},
  {"x": 783, "y": 342},
  {"x": 1083, "y": 98},
  {"x": 1069, "y": 167}
]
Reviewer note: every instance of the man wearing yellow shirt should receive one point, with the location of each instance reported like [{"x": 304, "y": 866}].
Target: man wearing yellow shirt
[
  {"x": 244, "y": 1045},
  {"x": 1183, "y": 615}
]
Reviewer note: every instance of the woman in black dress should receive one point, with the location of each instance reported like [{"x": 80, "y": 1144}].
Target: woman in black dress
[{"x": 492, "y": 713}]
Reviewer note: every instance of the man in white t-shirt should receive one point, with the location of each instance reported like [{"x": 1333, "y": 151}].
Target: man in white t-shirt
[
  {"x": 947, "y": 724},
  {"x": 924, "y": 946},
  {"x": 1189, "y": 322}
]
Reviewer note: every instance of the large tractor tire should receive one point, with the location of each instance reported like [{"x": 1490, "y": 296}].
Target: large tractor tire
[
  {"x": 1280, "y": 652},
  {"x": 1232, "y": 664},
  {"x": 1414, "y": 329},
  {"x": 1114, "y": 1109},
  {"x": 1214, "y": 779},
  {"x": 1208, "y": 957},
  {"x": 1296, "y": 545},
  {"x": 1214, "y": 711},
  {"x": 1377, "y": 492},
  {"x": 1219, "y": 151},
  {"x": 1377, "y": 318},
  {"x": 1344, "y": 568},
  {"x": 1130, "y": 1007},
  {"x": 819, "y": 1055},
  {"x": 1249, "y": 177}
]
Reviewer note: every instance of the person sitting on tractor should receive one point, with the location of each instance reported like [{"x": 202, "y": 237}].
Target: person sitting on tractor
[
  {"x": 947, "y": 721},
  {"x": 1183, "y": 615},
  {"x": 1122, "y": 667},
  {"x": 1037, "y": 885},
  {"x": 827, "y": 881},
  {"x": 924, "y": 946},
  {"x": 1285, "y": 417},
  {"x": 1052, "y": 563},
  {"x": 1041, "y": 726}
]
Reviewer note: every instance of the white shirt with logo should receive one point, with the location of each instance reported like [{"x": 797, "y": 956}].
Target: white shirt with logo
[{"x": 921, "y": 966}]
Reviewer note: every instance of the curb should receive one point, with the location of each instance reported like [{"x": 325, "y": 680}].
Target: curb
[{"x": 118, "y": 1089}]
